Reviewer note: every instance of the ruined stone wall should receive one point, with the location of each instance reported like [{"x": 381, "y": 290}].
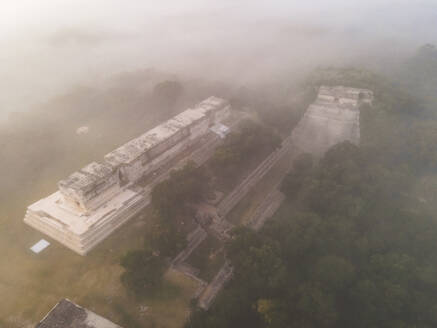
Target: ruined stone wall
[
  {"x": 91, "y": 186},
  {"x": 102, "y": 196},
  {"x": 94, "y": 195},
  {"x": 171, "y": 147},
  {"x": 135, "y": 170},
  {"x": 95, "y": 200},
  {"x": 199, "y": 128}
]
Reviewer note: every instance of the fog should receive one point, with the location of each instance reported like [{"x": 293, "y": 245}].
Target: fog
[
  {"x": 59, "y": 65},
  {"x": 50, "y": 45}
]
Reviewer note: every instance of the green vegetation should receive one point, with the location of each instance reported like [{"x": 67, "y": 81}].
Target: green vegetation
[
  {"x": 347, "y": 248},
  {"x": 299, "y": 176},
  {"x": 172, "y": 197},
  {"x": 172, "y": 202},
  {"x": 280, "y": 106},
  {"x": 166, "y": 94},
  {"x": 38, "y": 151},
  {"x": 351, "y": 256},
  {"x": 241, "y": 149},
  {"x": 208, "y": 258},
  {"x": 144, "y": 272},
  {"x": 419, "y": 73},
  {"x": 352, "y": 246}
]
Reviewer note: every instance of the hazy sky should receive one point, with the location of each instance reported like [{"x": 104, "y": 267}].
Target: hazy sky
[{"x": 48, "y": 45}]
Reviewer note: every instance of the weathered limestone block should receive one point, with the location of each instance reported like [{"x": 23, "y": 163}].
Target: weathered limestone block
[
  {"x": 90, "y": 187},
  {"x": 167, "y": 139},
  {"x": 334, "y": 117}
]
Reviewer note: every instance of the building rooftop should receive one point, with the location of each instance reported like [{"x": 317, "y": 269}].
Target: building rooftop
[
  {"x": 345, "y": 92},
  {"x": 210, "y": 104},
  {"x": 89, "y": 175},
  {"x": 136, "y": 147},
  {"x": 66, "y": 314},
  {"x": 86, "y": 176},
  {"x": 332, "y": 118}
]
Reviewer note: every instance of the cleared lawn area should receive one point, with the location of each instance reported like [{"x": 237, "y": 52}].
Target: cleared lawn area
[
  {"x": 34, "y": 283},
  {"x": 424, "y": 194},
  {"x": 30, "y": 284}
]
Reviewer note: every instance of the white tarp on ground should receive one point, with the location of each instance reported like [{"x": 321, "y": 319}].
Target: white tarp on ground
[
  {"x": 220, "y": 129},
  {"x": 40, "y": 246}
]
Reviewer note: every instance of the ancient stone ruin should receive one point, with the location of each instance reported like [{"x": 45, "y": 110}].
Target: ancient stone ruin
[
  {"x": 333, "y": 117},
  {"x": 94, "y": 201}
]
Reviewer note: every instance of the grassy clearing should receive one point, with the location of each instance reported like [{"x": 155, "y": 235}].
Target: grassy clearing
[
  {"x": 41, "y": 147},
  {"x": 32, "y": 284},
  {"x": 424, "y": 194}
]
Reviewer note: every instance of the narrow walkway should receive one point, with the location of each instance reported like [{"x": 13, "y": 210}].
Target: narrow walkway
[
  {"x": 211, "y": 291},
  {"x": 244, "y": 187}
]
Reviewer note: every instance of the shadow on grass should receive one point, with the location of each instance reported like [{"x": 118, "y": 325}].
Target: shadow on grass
[
  {"x": 167, "y": 290},
  {"x": 126, "y": 318}
]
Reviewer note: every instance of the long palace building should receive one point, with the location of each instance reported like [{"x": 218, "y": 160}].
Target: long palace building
[{"x": 94, "y": 201}]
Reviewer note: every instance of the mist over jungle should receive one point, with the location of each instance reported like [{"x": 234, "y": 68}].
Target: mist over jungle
[
  {"x": 48, "y": 46},
  {"x": 352, "y": 240}
]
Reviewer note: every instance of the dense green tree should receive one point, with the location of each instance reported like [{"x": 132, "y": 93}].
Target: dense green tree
[
  {"x": 250, "y": 143},
  {"x": 173, "y": 196},
  {"x": 143, "y": 272},
  {"x": 299, "y": 175},
  {"x": 315, "y": 308},
  {"x": 273, "y": 312},
  {"x": 333, "y": 273},
  {"x": 351, "y": 246},
  {"x": 165, "y": 239},
  {"x": 167, "y": 93},
  {"x": 172, "y": 200}
]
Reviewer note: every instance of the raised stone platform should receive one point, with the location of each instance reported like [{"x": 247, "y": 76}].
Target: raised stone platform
[
  {"x": 97, "y": 199},
  {"x": 334, "y": 117},
  {"x": 81, "y": 232}
]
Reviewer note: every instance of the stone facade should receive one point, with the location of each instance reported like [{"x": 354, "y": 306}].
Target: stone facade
[
  {"x": 90, "y": 187},
  {"x": 333, "y": 117},
  {"x": 143, "y": 155},
  {"x": 97, "y": 199}
]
